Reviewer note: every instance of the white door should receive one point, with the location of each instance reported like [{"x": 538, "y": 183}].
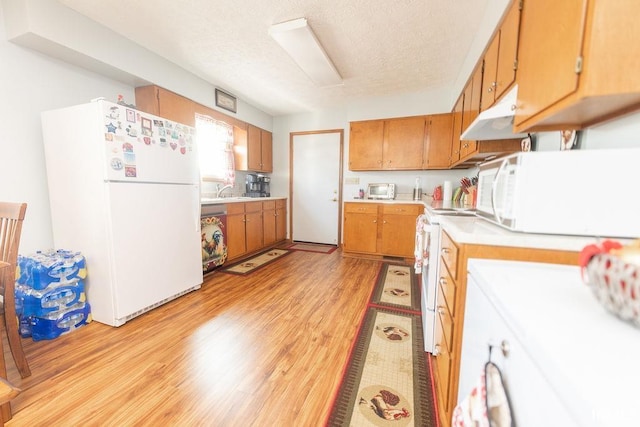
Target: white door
[{"x": 315, "y": 176}]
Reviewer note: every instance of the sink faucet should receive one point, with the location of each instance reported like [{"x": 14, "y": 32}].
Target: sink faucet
[{"x": 220, "y": 190}]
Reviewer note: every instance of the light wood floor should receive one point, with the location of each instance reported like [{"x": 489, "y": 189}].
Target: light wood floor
[{"x": 267, "y": 349}]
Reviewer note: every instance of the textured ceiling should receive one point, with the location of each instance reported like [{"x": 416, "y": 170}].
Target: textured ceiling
[{"x": 380, "y": 47}]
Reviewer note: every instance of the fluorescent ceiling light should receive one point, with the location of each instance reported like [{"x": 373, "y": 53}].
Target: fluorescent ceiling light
[{"x": 299, "y": 41}]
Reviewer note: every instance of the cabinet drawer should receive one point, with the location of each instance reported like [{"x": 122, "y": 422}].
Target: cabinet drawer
[
  {"x": 446, "y": 323},
  {"x": 270, "y": 204},
  {"x": 449, "y": 253},
  {"x": 281, "y": 203},
  {"x": 443, "y": 367},
  {"x": 412, "y": 210},
  {"x": 447, "y": 295},
  {"x": 361, "y": 208},
  {"x": 235, "y": 208},
  {"x": 253, "y": 206}
]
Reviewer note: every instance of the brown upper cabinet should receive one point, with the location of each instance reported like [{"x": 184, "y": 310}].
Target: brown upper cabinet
[
  {"x": 457, "y": 130},
  {"x": 256, "y": 154},
  {"x": 253, "y": 147},
  {"x": 493, "y": 75},
  {"x": 390, "y": 144},
  {"x": 501, "y": 57},
  {"x": 166, "y": 104},
  {"x": 467, "y": 153},
  {"x": 437, "y": 144},
  {"x": 578, "y": 63}
]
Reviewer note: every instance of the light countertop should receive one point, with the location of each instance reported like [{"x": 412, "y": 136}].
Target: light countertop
[
  {"x": 226, "y": 200},
  {"x": 460, "y": 222}
]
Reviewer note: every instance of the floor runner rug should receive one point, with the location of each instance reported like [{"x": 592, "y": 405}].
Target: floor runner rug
[
  {"x": 387, "y": 380},
  {"x": 313, "y": 247},
  {"x": 397, "y": 287},
  {"x": 252, "y": 264}
]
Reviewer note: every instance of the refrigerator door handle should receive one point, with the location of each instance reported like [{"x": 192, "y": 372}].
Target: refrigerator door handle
[{"x": 197, "y": 208}]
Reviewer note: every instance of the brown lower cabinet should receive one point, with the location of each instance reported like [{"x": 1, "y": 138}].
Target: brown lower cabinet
[
  {"x": 252, "y": 226},
  {"x": 451, "y": 307},
  {"x": 386, "y": 229},
  {"x": 269, "y": 222}
]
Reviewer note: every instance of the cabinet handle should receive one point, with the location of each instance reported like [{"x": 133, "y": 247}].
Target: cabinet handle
[
  {"x": 375, "y": 221},
  {"x": 440, "y": 310},
  {"x": 443, "y": 282},
  {"x": 445, "y": 251},
  {"x": 505, "y": 348},
  {"x": 436, "y": 350}
]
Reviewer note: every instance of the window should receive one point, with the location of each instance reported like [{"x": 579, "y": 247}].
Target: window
[{"x": 215, "y": 150}]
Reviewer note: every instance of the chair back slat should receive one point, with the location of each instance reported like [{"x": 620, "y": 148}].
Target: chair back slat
[{"x": 11, "y": 217}]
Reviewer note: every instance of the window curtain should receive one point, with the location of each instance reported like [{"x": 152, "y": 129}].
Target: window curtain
[{"x": 215, "y": 144}]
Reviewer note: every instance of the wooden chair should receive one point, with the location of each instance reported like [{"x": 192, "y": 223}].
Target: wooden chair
[
  {"x": 11, "y": 217},
  {"x": 7, "y": 390}
]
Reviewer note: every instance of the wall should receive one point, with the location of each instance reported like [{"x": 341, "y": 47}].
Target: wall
[{"x": 30, "y": 83}]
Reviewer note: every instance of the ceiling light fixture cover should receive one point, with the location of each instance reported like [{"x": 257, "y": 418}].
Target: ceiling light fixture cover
[{"x": 299, "y": 41}]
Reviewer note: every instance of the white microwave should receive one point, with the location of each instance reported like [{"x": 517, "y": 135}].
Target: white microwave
[
  {"x": 576, "y": 192},
  {"x": 381, "y": 191}
]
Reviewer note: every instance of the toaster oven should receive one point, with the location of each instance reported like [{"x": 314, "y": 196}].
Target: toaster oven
[{"x": 381, "y": 191}]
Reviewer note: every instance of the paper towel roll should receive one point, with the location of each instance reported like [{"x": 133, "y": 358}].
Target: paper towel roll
[{"x": 447, "y": 191}]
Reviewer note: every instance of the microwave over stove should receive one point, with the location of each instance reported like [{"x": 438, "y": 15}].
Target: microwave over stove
[
  {"x": 577, "y": 192},
  {"x": 381, "y": 191}
]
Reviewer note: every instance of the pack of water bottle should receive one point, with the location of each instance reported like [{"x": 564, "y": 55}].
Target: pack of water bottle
[
  {"x": 50, "y": 293},
  {"x": 41, "y": 269}
]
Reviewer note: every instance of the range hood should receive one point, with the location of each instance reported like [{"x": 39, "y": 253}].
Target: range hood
[{"x": 496, "y": 122}]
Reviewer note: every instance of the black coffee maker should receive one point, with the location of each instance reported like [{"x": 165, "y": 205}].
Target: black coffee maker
[
  {"x": 257, "y": 185},
  {"x": 252, "y": 185},
  {"x": 264, "y": 182}
]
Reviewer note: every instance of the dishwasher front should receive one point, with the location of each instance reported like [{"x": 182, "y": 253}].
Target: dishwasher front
[{"x": 213, "y": 224}]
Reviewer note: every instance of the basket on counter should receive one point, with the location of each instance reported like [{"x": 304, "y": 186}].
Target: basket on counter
[{"x": 613, "y": 274}]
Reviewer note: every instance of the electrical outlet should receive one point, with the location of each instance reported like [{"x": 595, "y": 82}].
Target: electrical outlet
[{"x": 352, "y": 180}]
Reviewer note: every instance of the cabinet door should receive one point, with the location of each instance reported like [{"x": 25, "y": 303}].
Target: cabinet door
[
  {"x": 438, "y": 141},
  {"x": 443, "y": 367},
  {"x": 240, "y": 144},
  {"x": 360, "y": 227},
  {"x": 508, "y": 50},
  {"x": 472, "y": 97},
  {"x": 166, "y": 104},
  {"x": 254, "y": 148},
  {"x": 399, "y": 229},
  {"x": 177, "y": 108},
  {"x": 236, "y": 236},
  {"x": 266, "y": 151},
  {"x": 269, "y": 222},
  {"x": 552, "y": 30},
  {"x": 281, "y": 220},
  {"x": 254, "y": 226},
  {"x": 365, "y": 145},
  {"x": 457, "y": 130},
  {"x": 490, "y": 71},
  {"x": 403, "y": 143}
]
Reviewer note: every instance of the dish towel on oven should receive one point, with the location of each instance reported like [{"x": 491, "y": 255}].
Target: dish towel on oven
[
  {"x": 487, "y": 405},
  {"x": 420, "y": 250}
]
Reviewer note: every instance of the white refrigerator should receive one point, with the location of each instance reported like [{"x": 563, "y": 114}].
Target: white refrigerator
[{"x": 124, "y": 190}]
